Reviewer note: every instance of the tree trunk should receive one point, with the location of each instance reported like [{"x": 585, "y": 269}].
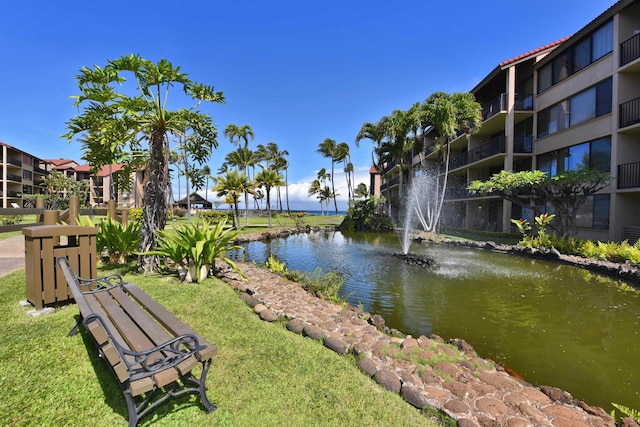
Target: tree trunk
[
  {"x": 269, "y": 205},
  {"x": 154, "y": 209}
]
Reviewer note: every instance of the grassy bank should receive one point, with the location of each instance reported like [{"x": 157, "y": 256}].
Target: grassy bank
[{"x": 263, "y": 374}]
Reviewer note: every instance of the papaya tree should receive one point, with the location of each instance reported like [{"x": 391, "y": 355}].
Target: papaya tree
[{"x": 121, "y": 119}]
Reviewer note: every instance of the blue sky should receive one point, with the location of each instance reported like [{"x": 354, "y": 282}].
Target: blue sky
[{"x": 297, "y": 72}]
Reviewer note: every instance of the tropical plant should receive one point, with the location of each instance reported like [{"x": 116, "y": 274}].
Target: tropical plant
[
  {"x": 364, "y": 216},
  {"x": 232, "y": 184},
  {"x": 566, "y": 192},
  {"x": 268, "y": 178},
  {"x": 194, "y": 247},
  {"x": 120, "y": 241},
  {"x": 117, "y": 121},
  {"x": 242, "y": 159},
  {"x": 629, "y": 412}
]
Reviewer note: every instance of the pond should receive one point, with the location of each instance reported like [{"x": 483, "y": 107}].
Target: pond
[{"x": 552, "y": 324}]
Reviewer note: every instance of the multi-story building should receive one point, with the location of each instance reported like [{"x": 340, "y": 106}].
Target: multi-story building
[
  {"x": 569, "y": 104},
  {"x": 21, "y": 175},
  {"x": 102, "y": 186}
]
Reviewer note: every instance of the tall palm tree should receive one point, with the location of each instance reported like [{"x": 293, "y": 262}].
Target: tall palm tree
[
  {"x": 344, "y": 155},
  {"x": 361, "y": 191},
  {"x": 268, "y": 178},
  {"x": 315, "y": 189},
  {"x": 374, "y": 132},
  {"x": 121, "y": 120},
  {"x": 230, "y": 186},
  {"x": 242, "y": 159},
  {"x": 238, "y": 134},
  {"x": 275, "y": 159},
  {"x": 206, "y": 172},
  {"x": 328, "y": 148},
  {"x": 449, "y": 114}
]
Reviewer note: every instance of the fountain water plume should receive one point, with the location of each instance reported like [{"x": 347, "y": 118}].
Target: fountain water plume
[{"x": 422, "y": 205}]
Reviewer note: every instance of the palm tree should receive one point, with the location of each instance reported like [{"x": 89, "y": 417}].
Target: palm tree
[
  {"x": 361, "y": 191},
  {"x": 242, "y": 159},
  {"x": 329, "y": 148},
  {"x": 268, "y": 178},
  {"x": 121, "y": 120},
  {"x": 449, "y": 114},
  {"x": 238, "y": 134},
  {"x": 275, "y": 159},
  {"x": 315, "y": 189},
  {"x": 375, "y": 133},
  {"x": 344, "y": 154},
  {"x": 206, "y": 171},
  {"x": 230, "y": 186}
]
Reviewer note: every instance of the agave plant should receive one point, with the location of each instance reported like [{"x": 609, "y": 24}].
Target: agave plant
[
  {"x": 121, "y": 241},
  {"x": 194, "y": 248}
]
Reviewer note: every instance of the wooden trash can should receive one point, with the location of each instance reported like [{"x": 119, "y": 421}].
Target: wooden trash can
[{"x": 45, "y": 282}]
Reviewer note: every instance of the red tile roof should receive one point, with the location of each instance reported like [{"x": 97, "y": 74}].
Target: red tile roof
[{"x": 534, "y": 51}]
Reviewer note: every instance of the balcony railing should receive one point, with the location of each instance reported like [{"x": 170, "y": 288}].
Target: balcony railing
[
  {"x": 524, "y": 102},
  {"x": 14, "y": 162},
  {"x": 629, "y": 175},
  {"x": 14, "y": 178},
  {"x": 481, "y": 152},
  {"x": 629, "y": 113},
  {"x": 493, "y": 107},
  {"x": 14, "y": 194},
  {"x": 630, "y": 50}
]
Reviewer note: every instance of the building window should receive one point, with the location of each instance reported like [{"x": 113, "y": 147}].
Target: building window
[
  {"x": 588, "y": 50},
  {"x": 594, "y": 154},
  {"x": 27, "y": 160},
  {"x": 27, "y": 174},
  {"x": 594, "y": 213},
  {"x": 581, "y": 107}
]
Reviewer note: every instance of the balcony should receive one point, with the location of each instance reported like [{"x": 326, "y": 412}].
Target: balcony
[
  {"x": 14, "y": 162},
  {"x": 14, "y": 194},
  {"x": 481, "y": 152},
  {"x": 629, "y": 113},
  {"x": 630, "y": 50},
  {"x": 524, "y": 102},
  {"x": 14, "y": 178},
  {"x": 495, "y": 106},
  {"x": 629, "y": 175}
]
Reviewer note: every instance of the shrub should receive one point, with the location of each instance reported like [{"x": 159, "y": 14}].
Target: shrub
[
  {"x": 276, "y": 266},
  {"x": 135, "y": 215},
  {"x": 362, "y": 216},
  {"x": 11, "y": 219},
  {"x": 213, "y": 217},
  {"x": 325, "y": 285},
  {"x": 121, "y": 241},
  {"x": 179, "y": 212},
  {"x": 194, "y": 247}
]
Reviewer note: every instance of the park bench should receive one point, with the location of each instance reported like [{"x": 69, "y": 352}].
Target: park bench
[{"x": 151, "y": 352}]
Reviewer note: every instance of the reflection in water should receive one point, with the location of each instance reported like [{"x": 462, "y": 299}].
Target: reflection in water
[{"x": 552, "y": 324}]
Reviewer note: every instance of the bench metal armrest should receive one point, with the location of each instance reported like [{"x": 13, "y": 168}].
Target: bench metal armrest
[
  {"x": 141, "y": 364},
  {"x": 101, "y": 283}
]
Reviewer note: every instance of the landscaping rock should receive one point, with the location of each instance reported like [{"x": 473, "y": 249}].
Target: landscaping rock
[
  {"x": 313, "y": 332},
  {"x": 388, "y": 380},
  {"x": 268, "y": 315},
  {"x": 296, "y": 325},
  {"x": 336, "y": 345},
  {"x": 367, "y": 366},
  {"x": 258, "y": 308},
  {"x": 414, "y": 396}
]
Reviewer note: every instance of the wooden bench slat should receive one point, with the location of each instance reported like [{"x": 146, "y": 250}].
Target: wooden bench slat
[
  {"x": 151, "y": 328},
  {"x": 136, "y": 339},
  {"x": 169, "y": 320}
]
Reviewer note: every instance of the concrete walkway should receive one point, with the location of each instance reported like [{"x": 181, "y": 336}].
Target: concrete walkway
[{"x": 11, "y": 255}]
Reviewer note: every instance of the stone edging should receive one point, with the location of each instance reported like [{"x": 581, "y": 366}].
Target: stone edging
[{"x": 425, "y": 371}]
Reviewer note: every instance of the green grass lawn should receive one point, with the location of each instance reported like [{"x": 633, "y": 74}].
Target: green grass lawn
[{"x": 263, "y": 374}]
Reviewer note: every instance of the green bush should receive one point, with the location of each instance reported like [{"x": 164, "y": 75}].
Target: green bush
[
  {"x": 214, "y": 217},
  {"x": 325, "y": 285},
  {"x": 120, "y": 241},
  {"x": 135, "y": 214},
  {"x": 362, "y": 216}
]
